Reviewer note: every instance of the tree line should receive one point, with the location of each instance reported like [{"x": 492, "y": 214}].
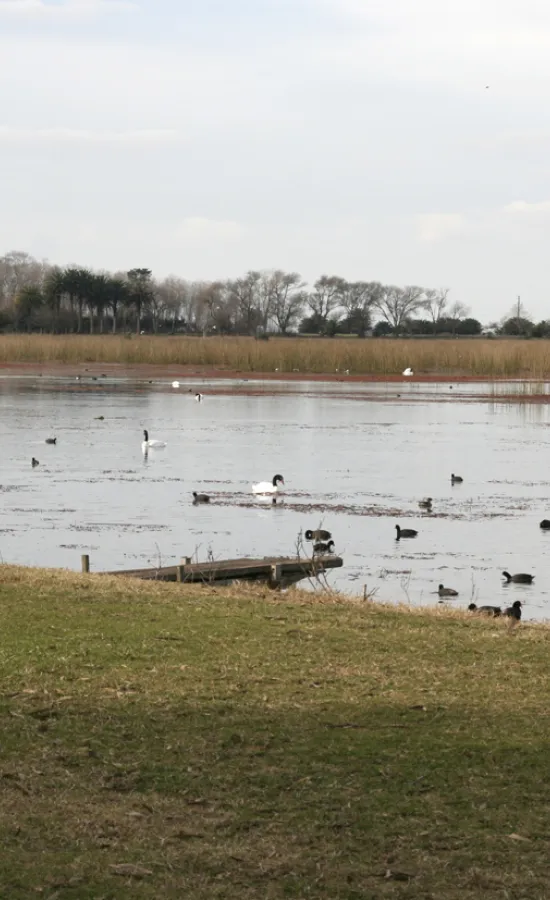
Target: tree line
[{"x": 37, "y": 296}]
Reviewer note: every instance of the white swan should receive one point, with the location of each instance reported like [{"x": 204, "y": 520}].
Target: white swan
[
  {"x": 150, "y": 445},
  {"x": 269, "y": 487},
  {"x": 175, "y": 384},
  {"x": 408, "y": 371}
]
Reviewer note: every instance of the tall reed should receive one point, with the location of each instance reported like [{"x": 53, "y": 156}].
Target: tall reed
[{"x": 380, "y": 357}]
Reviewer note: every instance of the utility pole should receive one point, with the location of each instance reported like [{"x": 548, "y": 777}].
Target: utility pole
[{"x": 518, "y": 315}]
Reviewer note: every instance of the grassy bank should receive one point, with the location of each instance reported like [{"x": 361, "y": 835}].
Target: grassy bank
[
  {"x": 484, "y": 358},
  {"x": 169, "y": 742}
]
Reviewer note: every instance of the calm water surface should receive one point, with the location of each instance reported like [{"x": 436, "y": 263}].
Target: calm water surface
[{"x": 356, "y": 459}]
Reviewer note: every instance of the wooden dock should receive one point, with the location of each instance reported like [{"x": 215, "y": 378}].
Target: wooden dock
[{"x": 277, "y": 572}]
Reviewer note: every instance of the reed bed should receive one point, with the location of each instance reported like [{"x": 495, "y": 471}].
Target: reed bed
[{"x": 378, "y": 357}]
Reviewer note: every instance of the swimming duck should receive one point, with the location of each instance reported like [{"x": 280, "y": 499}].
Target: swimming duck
[
  {"x": 520, "y": 578},
  {"x": 51, "y": 440},
  {"x": 446, "y": 592},
  {"x": 267, "y": 487},
  {"x": 405, "y": 532},
  {"x": 426, "y": 503},
  {"x": 486, "y": 610},
  {"x": 545, "y": 524},
  {"x": 34, "y": 462},
  {"x": 456, "y": 479},
  {"x": 200, "y": 498},
  {"x": 323, "y": 548},
  {"x": 319, "y": 535}
]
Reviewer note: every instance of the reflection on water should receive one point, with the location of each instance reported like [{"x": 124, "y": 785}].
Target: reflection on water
[{"x": 355, "y": 458}]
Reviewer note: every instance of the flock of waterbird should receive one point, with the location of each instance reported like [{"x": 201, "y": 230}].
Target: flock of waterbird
[
  {"x": 513, "y": 611},
  {"x": 322, "y": 539}
]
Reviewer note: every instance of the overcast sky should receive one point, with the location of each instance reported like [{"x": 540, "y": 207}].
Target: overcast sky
[{"x": 405, "y": 141}]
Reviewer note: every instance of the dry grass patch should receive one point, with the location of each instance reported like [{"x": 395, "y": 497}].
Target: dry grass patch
[
  {"x": 380, "y": 357},
  {"x": 166, "y": 741}
]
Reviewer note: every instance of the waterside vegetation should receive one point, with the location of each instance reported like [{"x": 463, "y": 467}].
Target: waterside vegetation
[{"x": 380, "y": 357}]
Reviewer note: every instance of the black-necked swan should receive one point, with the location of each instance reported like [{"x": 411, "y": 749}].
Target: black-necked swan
[
  {"x": 146, "y": 444},
  {"x": 323, "y": 548},
  {"x": 269, "y": 487},
  {"x": 198, "y": 397},
  {"x": 200, "y": 498}
]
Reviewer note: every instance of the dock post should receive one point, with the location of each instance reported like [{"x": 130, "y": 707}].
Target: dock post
[
  {"x": 85, "y": 562},
  {"x": 180, "y": 573},
  {"x": 276, "y": 574}
]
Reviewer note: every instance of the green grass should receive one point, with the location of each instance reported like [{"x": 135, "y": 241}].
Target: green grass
[
  {"x": 232, "y": 743},
  {"x": 379, "y": 357}
]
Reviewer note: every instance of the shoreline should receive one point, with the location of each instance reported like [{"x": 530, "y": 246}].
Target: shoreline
[{"x": 189, "y": 372}]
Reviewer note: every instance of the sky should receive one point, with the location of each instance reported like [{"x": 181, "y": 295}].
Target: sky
[{"x": 402, "y": 141}]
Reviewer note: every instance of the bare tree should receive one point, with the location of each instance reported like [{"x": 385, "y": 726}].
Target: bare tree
[
  {"x": 397, "y": 304},
  {"x": 287, "y": 298},
  {"x": 264, "y": 300},
  {"x": 358, "y": 298},
  {"x": 175, "y": 295},
  {"x": 459, "y": 310},
  {"x": 326, "y": 297},
  {"x": 244, "y": 292},
  {"x": 216, "y": 309},
  {"x": 436, "y": 304},
  {"x": 18, "y": 270},
  {"x": 156, "y": 304}
]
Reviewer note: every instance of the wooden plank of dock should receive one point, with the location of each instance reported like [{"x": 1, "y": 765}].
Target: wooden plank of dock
[{"x": 277, "y": 571}]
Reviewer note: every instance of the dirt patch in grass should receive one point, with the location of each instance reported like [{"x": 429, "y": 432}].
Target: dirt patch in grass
[{"x": 166, "y": 741}]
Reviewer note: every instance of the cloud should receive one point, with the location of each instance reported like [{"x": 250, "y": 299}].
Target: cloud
[
  {"x": 463, "y": 42},
  {"x": 434, "y": 227},
  {"x": 77, "y": 135},
  {"x": 204, "y": 230},
  {"x": 512, "y": 220},
  {"x": 524, "y": 209},
  {"x": 39, "y": 9}
]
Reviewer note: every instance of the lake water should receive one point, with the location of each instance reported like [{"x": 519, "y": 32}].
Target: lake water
[{"x": 356, "y": 459}]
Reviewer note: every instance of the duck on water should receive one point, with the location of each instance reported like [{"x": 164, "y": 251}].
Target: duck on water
[
  {"x": 446, "y": 592},
  {"x": 519, "y": 578},
  {"x": 405, "y": 533}
]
